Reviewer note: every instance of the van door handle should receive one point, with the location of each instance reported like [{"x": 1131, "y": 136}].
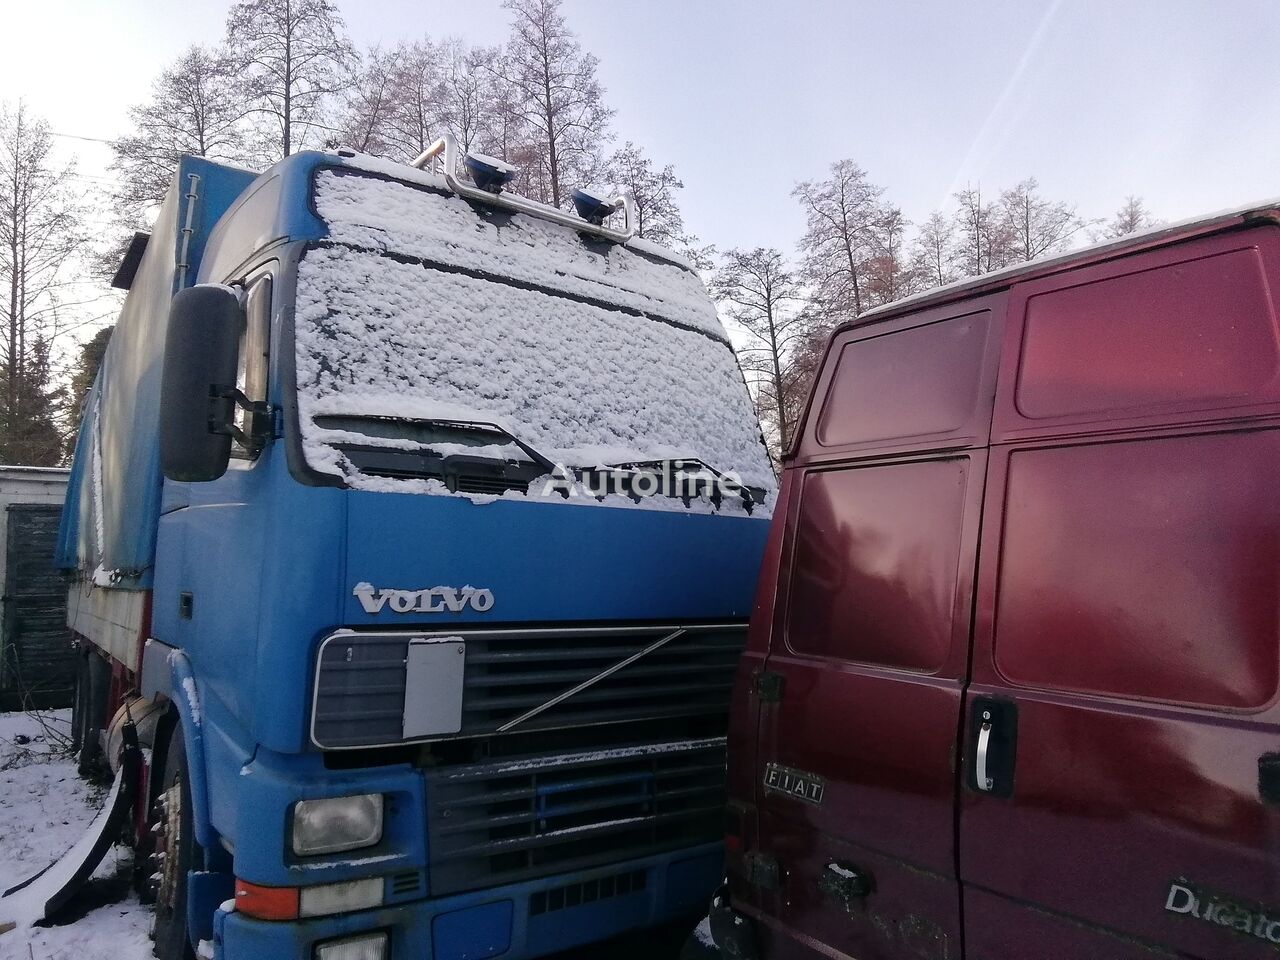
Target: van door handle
[
  {"x": 981, "y": 780},
  {"x": 993, "y": 745}
]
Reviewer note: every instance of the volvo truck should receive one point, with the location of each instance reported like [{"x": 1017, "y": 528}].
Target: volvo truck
[{"x": 412, "y": 530}]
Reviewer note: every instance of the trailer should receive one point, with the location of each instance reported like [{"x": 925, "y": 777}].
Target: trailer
[{"x": 413, "y": 528}]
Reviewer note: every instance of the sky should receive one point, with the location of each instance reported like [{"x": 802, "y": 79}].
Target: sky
[{"x": 1173, "y": 100}]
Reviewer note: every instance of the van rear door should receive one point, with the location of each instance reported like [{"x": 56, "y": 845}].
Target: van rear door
[
  {"x": 1120, "y": 795},
  {"x": 862, "y": 686}
]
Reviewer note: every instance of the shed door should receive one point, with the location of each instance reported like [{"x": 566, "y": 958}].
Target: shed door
[{"x": 38, "y": 666}]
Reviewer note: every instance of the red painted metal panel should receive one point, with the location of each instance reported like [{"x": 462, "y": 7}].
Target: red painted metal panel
[
  {"x": 922, "y": 382},
  {"x": 1145, "y": 569},
  {"x": 1180, "y": 334},
  {"x": 1116, "y": 797},
  {"x": 874, "y": 572},
  {"x": 881, "y": 739}
]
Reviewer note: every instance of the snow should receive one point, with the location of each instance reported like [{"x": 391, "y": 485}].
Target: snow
[
  {"x": 193, "y": 699},
  {"x": 580, "y": 384},
  {"x": 45, "y": 808},
  {"x": 443, "y": 228},
  {"x": 591, "y": 352},
  {"x": 702, "y": 932}
]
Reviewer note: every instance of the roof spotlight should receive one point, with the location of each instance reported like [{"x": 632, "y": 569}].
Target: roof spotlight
[
  {"x": 594, "y": 204},
  {"x": 489, "y": 173}
]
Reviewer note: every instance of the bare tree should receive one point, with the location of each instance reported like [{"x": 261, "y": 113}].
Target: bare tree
[
  {"x": 368, "y": 102},
  {"x": 1034, "y": 225},
  {"x": 983, "y": 236},
  {"x": 293, "y": 56},
  {"x": 554, "y": 91},
  {"x": 1132, "y": 217},
  {"x": 759, "y": 292},
  {"x": 469, "y": 99},
  {"x": 933, "y": 251},
  {"x": 654, "y": 191},
  {"x": 41, "y": 232},
  {"x": 889, "y": 276},
  {"x": 415, "y": 120},
  {"x": 841, "y": 216},
  {"x": 196, "y": 108}
]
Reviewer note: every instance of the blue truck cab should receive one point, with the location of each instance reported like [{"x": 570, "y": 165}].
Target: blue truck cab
[{"x": 414, "y": 526}]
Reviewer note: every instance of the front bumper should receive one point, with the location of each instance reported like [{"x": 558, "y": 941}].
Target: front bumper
[{"x": 515, "y": 922}]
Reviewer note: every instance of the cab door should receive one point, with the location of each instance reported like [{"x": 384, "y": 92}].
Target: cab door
[
  {"x": 1122, "y": 731},
  {"x": 860, "y": 695}
]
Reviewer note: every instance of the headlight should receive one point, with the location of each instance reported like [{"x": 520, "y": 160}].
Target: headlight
[
  {"x": 369, "y": 946},
  {"x": 335, "y": 824}
]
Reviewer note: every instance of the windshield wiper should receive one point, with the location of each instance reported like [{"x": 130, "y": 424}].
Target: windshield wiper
[
  {"x": 706, "y": 479},
  {"x": 466, "y": 455},
  {"x": 426, "y": 431}
]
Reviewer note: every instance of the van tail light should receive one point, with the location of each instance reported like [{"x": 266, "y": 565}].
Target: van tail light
[{"x": 734, "y": 835}]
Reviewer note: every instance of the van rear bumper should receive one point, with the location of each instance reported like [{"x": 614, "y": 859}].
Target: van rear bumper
[{"x": 515, "y": 922}]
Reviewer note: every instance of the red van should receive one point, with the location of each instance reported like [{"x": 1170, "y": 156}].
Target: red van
[{"x": 1011, "y": 685}]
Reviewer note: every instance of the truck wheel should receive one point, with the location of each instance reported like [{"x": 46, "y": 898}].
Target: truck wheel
[{"x": 174, "y": 854}]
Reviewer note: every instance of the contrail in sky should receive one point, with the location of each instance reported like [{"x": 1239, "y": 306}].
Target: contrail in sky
[{"x": 980, "y": 146}]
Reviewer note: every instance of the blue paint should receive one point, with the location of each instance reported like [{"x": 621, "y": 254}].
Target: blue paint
[
  {"x": 473, "y": 933},
  {"x": 433, "y": 929},
  {"x": 271, "y": 563}
]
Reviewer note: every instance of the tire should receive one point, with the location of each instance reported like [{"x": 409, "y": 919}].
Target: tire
[{"x": 175, "y": 854}]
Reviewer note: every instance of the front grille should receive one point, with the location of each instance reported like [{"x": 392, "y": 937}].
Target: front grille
[
  {"x": 586, "y": 891},
  {"x": 360, "y": 688},
  {"x": 523, "y": 818}
]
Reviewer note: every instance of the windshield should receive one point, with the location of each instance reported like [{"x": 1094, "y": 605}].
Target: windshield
[{"x": 423, "y": 308}]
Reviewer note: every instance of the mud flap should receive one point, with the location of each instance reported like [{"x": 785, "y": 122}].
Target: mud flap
[{"x": 44, "y": 894}]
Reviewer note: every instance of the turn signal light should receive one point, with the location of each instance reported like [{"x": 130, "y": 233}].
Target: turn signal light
[{"x": 266, "y": 903}]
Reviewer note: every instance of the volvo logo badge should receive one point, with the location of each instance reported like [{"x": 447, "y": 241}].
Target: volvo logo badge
[{"x": 429, "y": 600}]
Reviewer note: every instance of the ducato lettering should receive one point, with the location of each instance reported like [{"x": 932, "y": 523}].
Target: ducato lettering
[
  {"x": 430, "y": 600},
  {"x": 1186, "y": 900}
]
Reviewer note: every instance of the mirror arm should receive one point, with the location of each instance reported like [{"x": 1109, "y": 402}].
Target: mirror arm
[{"x": 223, "y": 401}]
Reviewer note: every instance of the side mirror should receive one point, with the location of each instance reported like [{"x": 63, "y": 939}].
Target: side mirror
[{"x": 200, "y": 359}]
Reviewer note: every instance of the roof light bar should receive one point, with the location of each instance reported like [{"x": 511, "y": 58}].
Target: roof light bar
[{"x": 443, "y": 156}]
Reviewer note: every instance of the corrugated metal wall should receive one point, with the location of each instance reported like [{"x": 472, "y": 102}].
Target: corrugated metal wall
[{"x": 37, "y": 661}]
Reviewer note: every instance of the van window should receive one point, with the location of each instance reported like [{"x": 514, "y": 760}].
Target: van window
[
  {"x": 875, "y": 563},
  {"x": 911, "y": 383},
  {"x": 1144, "y": 569},
  {"x": 1197, "y": 330}
]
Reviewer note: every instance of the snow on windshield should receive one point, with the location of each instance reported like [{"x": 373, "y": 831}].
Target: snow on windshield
[
  {"x": 444, "y": 228},
  {"x": 580, "y": 382}
]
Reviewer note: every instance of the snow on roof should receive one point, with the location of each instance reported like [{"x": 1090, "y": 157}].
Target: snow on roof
[
  {"x": 1047, "y": 262},
  {"x": 437, "y": 225}
]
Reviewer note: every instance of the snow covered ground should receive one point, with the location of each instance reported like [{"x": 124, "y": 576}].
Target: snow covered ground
[{"x": 44, "y": 808}]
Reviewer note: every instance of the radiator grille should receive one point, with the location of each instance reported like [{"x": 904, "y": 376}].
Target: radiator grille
[
  {"x": 586, "y": 891},
  {"x": 360, "y": 686},
  {"x": 522, "y": 818}
]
